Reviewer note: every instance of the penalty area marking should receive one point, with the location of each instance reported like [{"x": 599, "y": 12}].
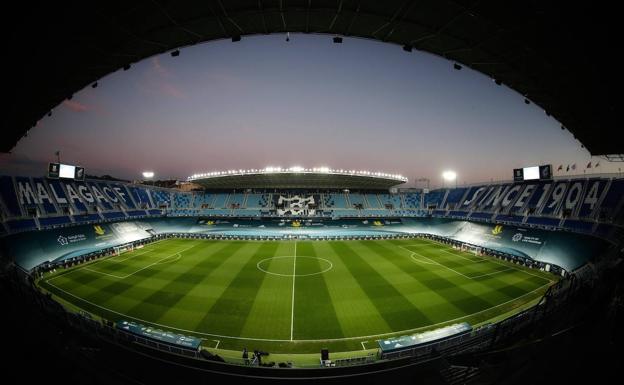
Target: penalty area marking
[
  {"x": 178, "y": 254},
  {"x": 472, "y": 277},
  {"x": 412, "y": 253},
  {"x": 363, "y": 343},
  {"x": 258, "y": 265},
  {"x": 217, "y": 345},
  {"x": 488, "y": 260},
  {"x": 115, "y": 259},
  {"x": 160, "y": 261}
]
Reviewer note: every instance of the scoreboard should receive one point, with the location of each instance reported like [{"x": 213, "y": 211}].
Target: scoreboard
[
  {"x": 533, "y": 173},
  {"x": 65, "y": 171}
]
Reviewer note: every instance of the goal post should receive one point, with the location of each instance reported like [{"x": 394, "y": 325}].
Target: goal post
[
  {"x": 123, "y": 249},
  {"x": 476, "y": 250}
]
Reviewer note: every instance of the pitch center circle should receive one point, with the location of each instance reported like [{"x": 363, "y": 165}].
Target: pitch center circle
[{"x": 303, "y": 266}]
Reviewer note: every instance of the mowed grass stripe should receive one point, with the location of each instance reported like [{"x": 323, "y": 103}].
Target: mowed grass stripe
[
  {"x": 271, "y": 311},
  {"x": 546, "y": 277},
  {"x": 124, "y": 293},
  {"x": 450, "y": 287},
  {"x": 397, "y": 311},
  {"x": 356, "y": 312},
  {"x": 315, "y": 315},
  {"x": 205, "y": 290},
  {"x": 228, "y": 314},
  {"x": 471, "y": 267},
  {"x": 127, "y": 294},
  {"x": 192, "y": 308},
  {"x": 495, "y": 289},
  {"x": 135, "y": 260},
  {"x": 80, "y": 276},
  {"x": 502, "y": 287},
  {"x": 492, "y": 288},
  {"x": 502, "y": 281},
  {"x": 99, "y": 288},
  {"x": 393, "y": 262},
  {"x": 168, "y": 289}
]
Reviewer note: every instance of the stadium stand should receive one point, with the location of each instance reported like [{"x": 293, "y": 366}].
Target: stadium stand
[
  {"x": 373, "y": 202},
  {"x": 390, "y": 201},
  {"x": 357, "y": 201},
  {"x": 582, "y": 205}
]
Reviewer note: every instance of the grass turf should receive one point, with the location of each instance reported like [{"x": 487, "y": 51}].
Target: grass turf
[{"x": 298, "y": 296}]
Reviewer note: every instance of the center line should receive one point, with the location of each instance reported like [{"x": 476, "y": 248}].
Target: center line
[{"x": 292, "y": 313}]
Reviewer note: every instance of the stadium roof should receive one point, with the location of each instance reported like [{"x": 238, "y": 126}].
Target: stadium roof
[
  {"x": 560, "y": 55},
  {"x": 296, "y": 178}
]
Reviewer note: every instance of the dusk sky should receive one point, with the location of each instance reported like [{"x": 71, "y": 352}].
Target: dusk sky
[{"x": 263, "y": 101}]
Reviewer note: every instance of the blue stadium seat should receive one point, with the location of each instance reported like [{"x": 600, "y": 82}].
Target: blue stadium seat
[
  {"x": 54, "y": 221},
  {"x": 9, "y": 197}
]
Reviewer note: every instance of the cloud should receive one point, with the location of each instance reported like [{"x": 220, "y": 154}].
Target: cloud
[
  {"x": 172, "y": 90},
  {"x": 158, "y": 80},
  {"x": 158, "y": 68},
  {"x": 76, "y": 106}
]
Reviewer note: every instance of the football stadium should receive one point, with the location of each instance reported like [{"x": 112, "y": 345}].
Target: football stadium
[{"x": 309, "y": 272}]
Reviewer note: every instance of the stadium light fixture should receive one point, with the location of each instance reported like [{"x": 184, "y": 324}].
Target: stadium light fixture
[
  {"x": 457, "y": 66},
  {"x": 148, "y": 174},
  {"x": 407, "y": 48},
  {"x": 236, "y": 38},
  {"x": 450, "y": 176},
  {"x": 337, "y": 39},
  {"x": 175, "y": 53},
  {"x": 298, "y": 169}
]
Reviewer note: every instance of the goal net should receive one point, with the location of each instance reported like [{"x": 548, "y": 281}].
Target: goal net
[
  {"x": 123, "y": 249},
  {"x": 476, "y": 250}
]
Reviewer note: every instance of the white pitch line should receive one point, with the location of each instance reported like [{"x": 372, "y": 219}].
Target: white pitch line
[
  {"x": 493, "y": 260},
  {"x": 439, "y": 264},
  {"x": 143, "y": 268},
  {"x": 496, "y": 272},
  {"x": 416, "y": 260},
  {"x": 100, "y": 260},
  {"x": 218, "y": 342},
  {"x": 453, "y": 253},
  {"x": 363, "y": 347},
  {"x": 113, "y": 259},
  {"x": 103, "y": 273},
  {"x": 282, "y": 340},
  {"x": 292, "y": 307}
]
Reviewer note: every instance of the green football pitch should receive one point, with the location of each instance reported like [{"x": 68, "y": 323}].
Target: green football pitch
[{"x": 298, "y": 296}]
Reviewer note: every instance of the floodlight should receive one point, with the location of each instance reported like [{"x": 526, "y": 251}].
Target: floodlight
[
  {"x": 449, "y": 175},
  {"x": 148, "y": 174}
]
